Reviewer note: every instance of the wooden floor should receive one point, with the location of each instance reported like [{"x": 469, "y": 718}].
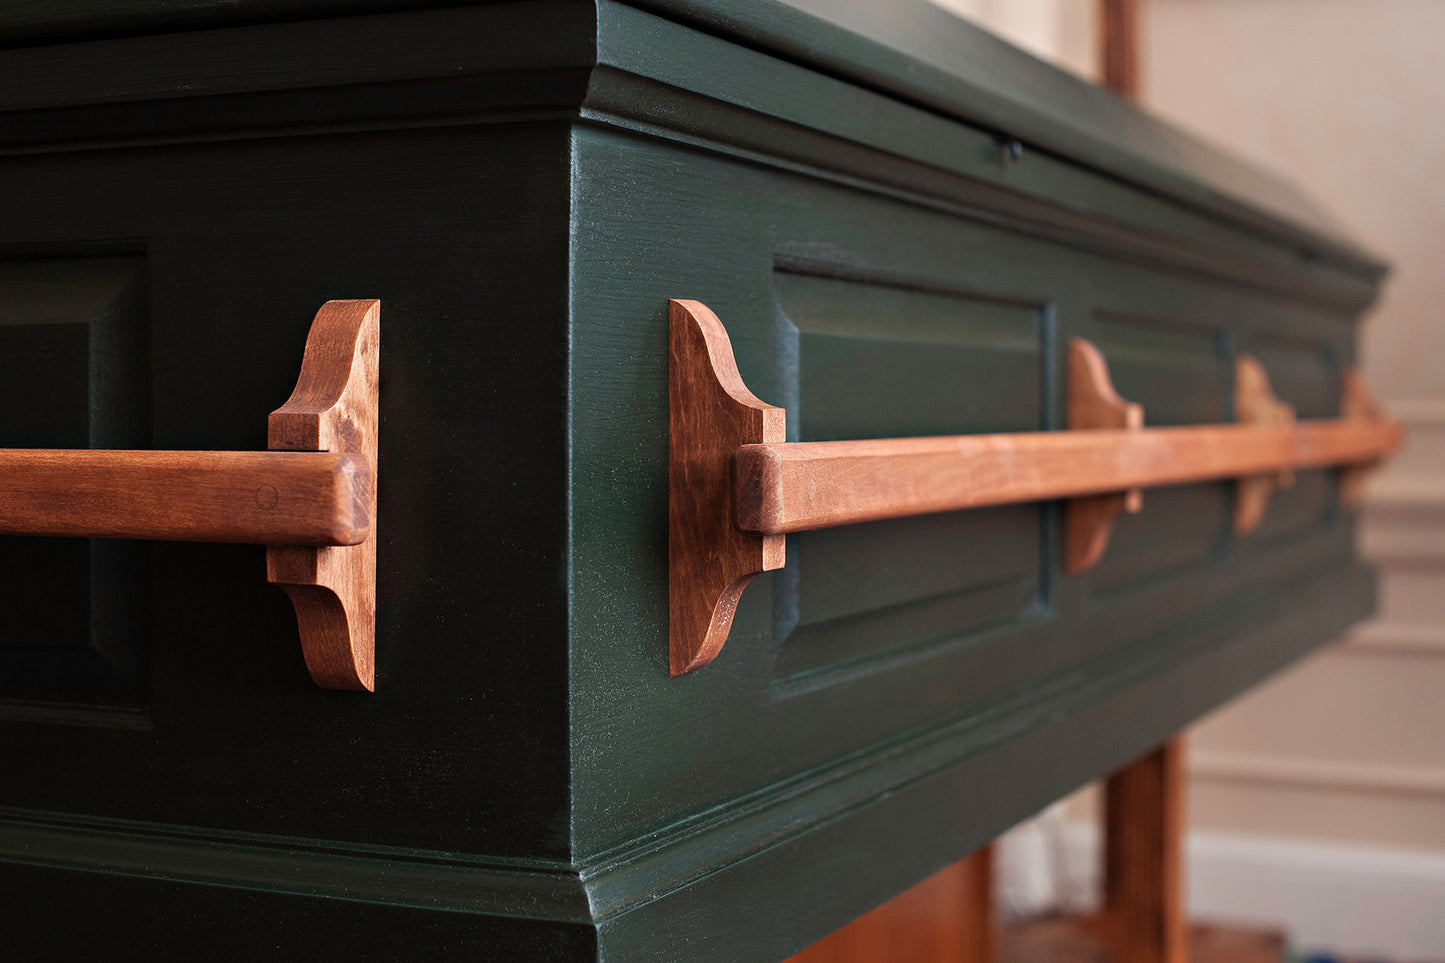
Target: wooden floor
[
  {"x": 948, "y": 919},
  {"x": 1071, "y": 941},
  {"x": 951, "y": 917},
  {"x": 948, "y": 916}
]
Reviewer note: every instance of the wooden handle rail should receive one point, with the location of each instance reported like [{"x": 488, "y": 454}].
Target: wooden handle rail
[
  {"x": 805, "y": 485},
  {"x": 736, "y": 488},
  {"x": 262, "y": 497},
  {"x": 311, "y": 499}
]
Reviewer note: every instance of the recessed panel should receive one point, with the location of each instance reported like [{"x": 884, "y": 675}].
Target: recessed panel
[
  {"x": 873, "y": 359},
  {"x": 73, "y": 374},
  {"x": 1307, "y": 375},
  {"x": 1179, "y": 374},
  {"x": 1304, "y": 373}
]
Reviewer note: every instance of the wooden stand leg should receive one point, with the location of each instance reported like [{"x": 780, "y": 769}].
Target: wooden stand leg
[
  {"x": 1144, "y": 857},
  {"x": 980, "y": 927},
  {"x": 951, "y": 916},
  {"x": 1144, "y": 801},
  {"x": 947, "y": 918}
]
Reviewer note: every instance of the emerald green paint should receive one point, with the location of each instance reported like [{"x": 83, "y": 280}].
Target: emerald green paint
[
  {"x": 74, "y": 374},
  {"x": 524, "y": 185}
]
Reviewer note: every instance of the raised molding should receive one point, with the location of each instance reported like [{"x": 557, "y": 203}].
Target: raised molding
[
  {"x": 602, "y": 67},
  {"x": 532, "y": 888},
  {"x": 1315, "y": 774}
]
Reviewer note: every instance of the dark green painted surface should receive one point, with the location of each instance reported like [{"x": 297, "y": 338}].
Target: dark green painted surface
[
  {"x": 524, "y": 186},
  {"x": 242, "y": 242},
  {"x": 909, "y": 49},
  {"x": 74, "y": 373}
]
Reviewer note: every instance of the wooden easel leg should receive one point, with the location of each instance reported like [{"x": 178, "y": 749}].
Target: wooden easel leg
[
  {"x": 947, "y": 918},
  {"x": 1144, "y": 857},
  {"x": 1143, "y": 802},
  {"x": 980, "y": 914},
  {"x": 952, "y": 916}
]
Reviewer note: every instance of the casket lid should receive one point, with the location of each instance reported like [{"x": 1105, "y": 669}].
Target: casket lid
[
  {"x": 910, "y": 50},
  {"x": 920, "y": 52}
]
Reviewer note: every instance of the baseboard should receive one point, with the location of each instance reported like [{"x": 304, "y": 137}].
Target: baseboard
[
  {"x": 1342, "y": 899},
  {"x": 1294, "y": 772},
  {"x": 1357, "y": 899}
]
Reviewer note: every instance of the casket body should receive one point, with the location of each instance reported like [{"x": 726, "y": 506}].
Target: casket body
[{"x": 901, "y": 233}]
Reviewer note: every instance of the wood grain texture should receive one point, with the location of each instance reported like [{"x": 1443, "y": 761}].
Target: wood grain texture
[
  {"x": 334, "y": 408},
  {"x": 711, "y": 414},
  {"x": 1144, "y": 857},
  {"x": 801, "y": 486},
  {"x": 947, "y": 918},
  {"x": 260, "y": 497},
  {"x": 1256, "y": 404},
  {"x": 1094, "y": 403},
  {"x": 311, "y": 499}
]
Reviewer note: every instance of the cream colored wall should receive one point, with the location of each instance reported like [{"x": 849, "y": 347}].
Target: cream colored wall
[
  {"x": 1063, "y": 32},
  {"x": 1348, "y": 98}
]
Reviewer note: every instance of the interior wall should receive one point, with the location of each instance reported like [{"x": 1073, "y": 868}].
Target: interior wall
[
  {"x": 1063, "y": 32},
  {"x": 1346, "y": 98}
]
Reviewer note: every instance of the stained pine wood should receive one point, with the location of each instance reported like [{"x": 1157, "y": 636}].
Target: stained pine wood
[
  {"x": 334, "y": 408},
  {"x": 1094, "y": 403},
  {"x": 312, "y": 498},
  {"x": 711, "y": 414},
  {"x": 1144, "y": 911},
  {"x": 948, "y": 918},
  {"x": 801, "y": 486},
  {"x": 798, "y": 486},
  {"x": 263, "y": 498},
  {"x": 1143, "y": 917},
  {"x": 1255, "y": 404}
]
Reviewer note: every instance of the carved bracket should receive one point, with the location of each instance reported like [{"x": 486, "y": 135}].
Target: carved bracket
[
  {"x": 334, "y": 408},
  {"x": 1095, "y": 404},
  {"x": 1255, "y": 404},
  {"x": 1357, "y": 404},
  {"x": 711, "y": 415}
]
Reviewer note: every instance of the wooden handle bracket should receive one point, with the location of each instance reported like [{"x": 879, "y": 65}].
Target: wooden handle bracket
[
  {"x": 1255, "y": 404},
  {"x": 1095, "y": 404},
  {"x": 1359, "y": 405},
  {"x": 711, "y": 415},
  {"x": 736, "y": 487},
  {"x": 335, "y": 408},
  {"x": 311, "y": 498}
]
